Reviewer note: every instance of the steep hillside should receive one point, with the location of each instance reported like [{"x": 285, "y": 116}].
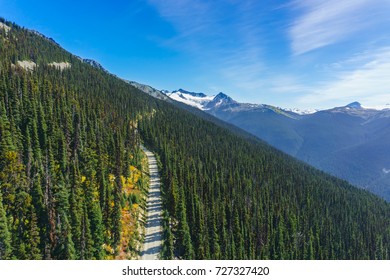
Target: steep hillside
[
  {"x": 349, "y": 142},
  {"x": 70, "y": 180},
  {"x": 70, "y": 163}
]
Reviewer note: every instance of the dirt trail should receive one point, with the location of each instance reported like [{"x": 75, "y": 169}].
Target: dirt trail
[{"x": 153, "y": 230}]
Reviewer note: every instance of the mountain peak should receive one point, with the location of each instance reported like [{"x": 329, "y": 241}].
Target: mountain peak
[
  {"x": 219, "y": 100},
  {"x": 354, "y": 105},
  {"x": 224, "y": 97},
  {"x": 195, "y": 94}
]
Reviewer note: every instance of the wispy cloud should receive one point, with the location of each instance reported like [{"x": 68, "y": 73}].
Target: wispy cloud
[
  {"x": 321, "y": 23},
  {"x": 224, "y": 35},
  {"x": 188, "y": 17},
  {"x": 367, "y": 83}
]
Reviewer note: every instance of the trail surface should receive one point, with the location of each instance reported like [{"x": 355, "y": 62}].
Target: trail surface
[{"x": 153, "y": 230}]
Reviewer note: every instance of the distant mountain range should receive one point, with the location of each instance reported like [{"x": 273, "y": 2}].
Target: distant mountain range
[{"x": 350, "y": 142}]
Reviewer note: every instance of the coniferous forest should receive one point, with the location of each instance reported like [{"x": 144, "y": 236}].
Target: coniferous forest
[{"x": 72, "y": 183}]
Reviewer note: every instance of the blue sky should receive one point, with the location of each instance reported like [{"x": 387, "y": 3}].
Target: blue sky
[{"x": 294, "y": 54}]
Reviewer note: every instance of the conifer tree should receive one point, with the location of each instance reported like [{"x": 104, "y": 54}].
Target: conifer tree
[
  {"x": 185, "y": 248},
  {"x": 34, "y": 241},
  {"x": 5, "y": 237}
]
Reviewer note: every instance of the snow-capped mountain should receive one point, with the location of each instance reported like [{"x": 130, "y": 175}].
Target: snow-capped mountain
[
  {"x": 215, "y": 104},
  {"x": 200, "y": 100},
  {"x": 221, "y": 101}
]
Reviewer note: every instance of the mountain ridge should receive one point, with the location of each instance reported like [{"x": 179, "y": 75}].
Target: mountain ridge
[{"x": 353, "y": 105}]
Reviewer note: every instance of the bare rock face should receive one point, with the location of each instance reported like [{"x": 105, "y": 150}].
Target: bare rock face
[
  {"x": 60, "y": 65},
  {"x": 27, "y": 65},
  {"x": 5, "y": 27}
]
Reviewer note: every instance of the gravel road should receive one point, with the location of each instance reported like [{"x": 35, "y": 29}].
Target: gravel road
[{"x": 153, "y": 230}]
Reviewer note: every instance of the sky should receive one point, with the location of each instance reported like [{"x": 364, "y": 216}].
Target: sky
[{"x": 307, "y": 54}]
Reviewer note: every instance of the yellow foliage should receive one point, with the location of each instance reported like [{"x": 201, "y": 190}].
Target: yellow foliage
[
  {"x": 11, "y": 155},
  {"x": 129, "y": 212},
  {"x": 129, "y": 183},
  {"x": 132, "y": 168},
  {"x": 57, "y": 167},
  {"x": 111, "y": 177},
  {"x": 109, "y": 250},
  {"x": 83, "y": 178},
  {"x": 95, "y": 196}
]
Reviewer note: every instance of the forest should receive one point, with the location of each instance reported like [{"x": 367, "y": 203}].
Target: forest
[{"x": 72, "y": 177}]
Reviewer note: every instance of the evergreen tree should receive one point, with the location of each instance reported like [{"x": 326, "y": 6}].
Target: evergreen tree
[
  {"x": 34, "y": 252},
  {"x": 5, "y": 237},
  {"x": 184, "y": 242}
]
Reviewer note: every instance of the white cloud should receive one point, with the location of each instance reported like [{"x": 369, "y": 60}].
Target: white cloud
[
  {"x": 367, "y": 84},
  {"x": 322, "y": 23}
]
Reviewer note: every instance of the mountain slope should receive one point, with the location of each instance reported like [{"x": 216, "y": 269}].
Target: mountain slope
[
  {"x": 69, "y": 155},
  {"x": 70, "y": 179},
  {"x": 349, "y": 141},
  {"x": 149, "y": 90}
]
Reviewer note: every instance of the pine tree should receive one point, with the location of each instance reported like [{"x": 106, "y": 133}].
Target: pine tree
[
  {"x": 185, "y": 247},
  {"x": 168, "y": 243},
  {"x": 34, "y": 252},
  {"x": 5, "y": 237},
  {"x": 64, "y": 246}
]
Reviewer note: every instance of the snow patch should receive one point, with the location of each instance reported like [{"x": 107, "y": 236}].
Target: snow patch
[
  {"x": 219, "y": 103},
  {"x": 27, "y": 65},
  {"x": 194, "y": 101},
  {"x": 60, "y": 65},
  {"x": 302, "y": 112},
  {"x": 5, "y": 27}
]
